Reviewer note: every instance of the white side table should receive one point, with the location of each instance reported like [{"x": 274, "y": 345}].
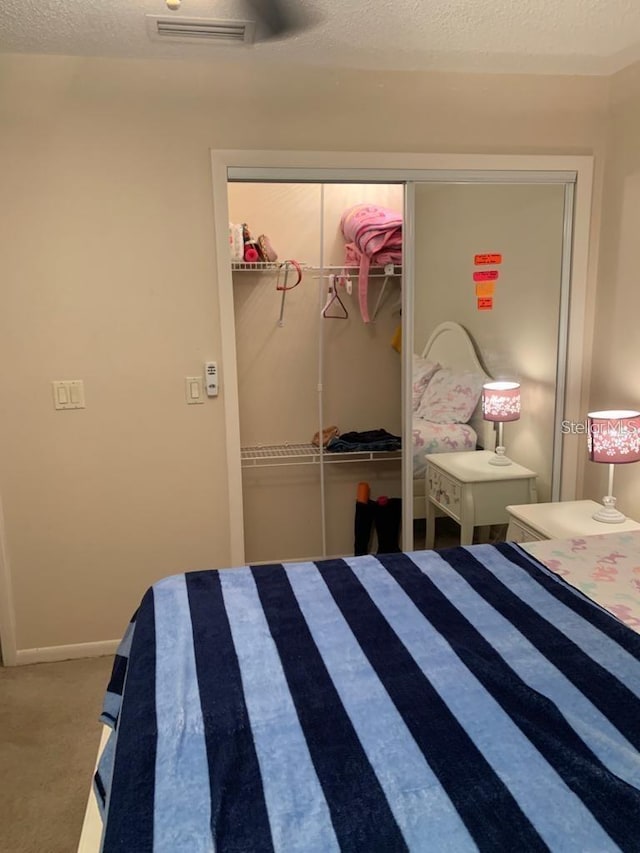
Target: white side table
[
  {"x": 559, "y": 520},
  {"x": 467, "y": 488}
]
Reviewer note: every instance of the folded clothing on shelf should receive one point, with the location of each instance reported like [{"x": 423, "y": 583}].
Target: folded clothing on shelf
[
  {"x": 368, "y": 441},
  {"x": 327, "y": 434},
  {"x": 373, "y": 235}
]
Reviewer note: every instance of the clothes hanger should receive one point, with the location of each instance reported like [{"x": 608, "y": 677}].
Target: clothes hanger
[
  {"x": 284, "y": 287},
  {"x": 333, "y": 298}
]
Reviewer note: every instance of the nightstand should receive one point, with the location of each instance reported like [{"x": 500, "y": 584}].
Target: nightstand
[
  {"x": 467, "y": 488},
  {"x": 559, "y": 520}
]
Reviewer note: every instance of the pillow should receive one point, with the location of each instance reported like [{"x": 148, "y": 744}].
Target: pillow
[
  {"x": 423, "y": 370},
  {"x": 450, "y": 397}
]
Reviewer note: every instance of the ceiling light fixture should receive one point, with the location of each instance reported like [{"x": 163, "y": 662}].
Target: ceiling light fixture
[{"x": 173, "y": 4}]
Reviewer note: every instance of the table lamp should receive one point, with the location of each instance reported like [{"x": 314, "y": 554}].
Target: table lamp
[
  {"x": 613, "y": 437},
  {"x": 500, "y": 403}
]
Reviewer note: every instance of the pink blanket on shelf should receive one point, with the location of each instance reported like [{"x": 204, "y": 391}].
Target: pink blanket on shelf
[{"x": 374, "y": 236}]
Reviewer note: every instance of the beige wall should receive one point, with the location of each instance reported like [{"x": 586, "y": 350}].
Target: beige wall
[
  {"x": 616, "y": 365},
  {"x": 108, "y": 275}
]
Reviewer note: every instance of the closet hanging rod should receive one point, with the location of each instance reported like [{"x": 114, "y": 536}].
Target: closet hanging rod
[
  {"x": 371, "y": 275},
  {"x": 355, "y": 268}
]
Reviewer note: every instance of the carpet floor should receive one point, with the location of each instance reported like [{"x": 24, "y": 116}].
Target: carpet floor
[{"x": 49, "y": 735}]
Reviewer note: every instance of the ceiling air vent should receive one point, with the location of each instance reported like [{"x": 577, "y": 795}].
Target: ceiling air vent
[{"x": 200, "y": 30}]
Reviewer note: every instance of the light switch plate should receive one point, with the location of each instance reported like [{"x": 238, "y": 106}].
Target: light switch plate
[
  {"x": 193, "y": 390},
  {"x": 68, "y": 394}
]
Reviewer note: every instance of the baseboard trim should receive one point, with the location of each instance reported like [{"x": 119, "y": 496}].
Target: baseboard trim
[{"x": 49, "y": 654}]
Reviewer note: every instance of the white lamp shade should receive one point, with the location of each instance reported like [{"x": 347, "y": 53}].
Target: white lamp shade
[{"x": 501, "y": 401}]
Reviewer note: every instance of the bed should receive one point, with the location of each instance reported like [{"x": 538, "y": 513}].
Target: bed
[
  {"x": 450, "y": 347},
  {"x": 454, "y": 700}
]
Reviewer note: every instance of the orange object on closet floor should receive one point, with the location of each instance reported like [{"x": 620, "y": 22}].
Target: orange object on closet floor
[{"x": 364, "y": 493}]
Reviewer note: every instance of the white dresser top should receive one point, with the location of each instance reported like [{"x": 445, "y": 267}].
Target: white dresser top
[
  {"x": 474, "y": 467},
  {"x": 564, "y": 519}
]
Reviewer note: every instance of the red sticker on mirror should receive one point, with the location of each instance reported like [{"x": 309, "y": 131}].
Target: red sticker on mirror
[
  {"x": 485, "y": 303},
  {"x": 487, "y": 259},
  {"x": 486, "y": 275}
]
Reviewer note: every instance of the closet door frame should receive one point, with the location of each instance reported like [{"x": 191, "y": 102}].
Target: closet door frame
[{"x": 368, "y": 167}]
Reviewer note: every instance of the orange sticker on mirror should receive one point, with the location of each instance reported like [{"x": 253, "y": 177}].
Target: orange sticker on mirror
[
  {"x": 486, "y": 275},
  {"x": 485, "y": 288},
  {"x": 485, "y": 303},
  {"x": 487, "y": 259}
]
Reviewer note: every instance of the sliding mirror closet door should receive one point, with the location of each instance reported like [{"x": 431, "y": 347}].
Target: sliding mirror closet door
[
  {"x": 490, "y": 257},
  {"x": 307, "y": 363}
]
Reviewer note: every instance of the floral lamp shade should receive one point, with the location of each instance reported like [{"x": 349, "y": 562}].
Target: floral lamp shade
[
  {"x": 501, "y": 401},
  {"x": 613, "y": 437}
]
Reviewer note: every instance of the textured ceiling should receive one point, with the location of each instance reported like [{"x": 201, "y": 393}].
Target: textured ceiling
[{"x": 527, "y": 36}]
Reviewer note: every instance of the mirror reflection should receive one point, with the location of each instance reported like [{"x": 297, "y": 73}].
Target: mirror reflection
[{"x": 488, "y": 258}]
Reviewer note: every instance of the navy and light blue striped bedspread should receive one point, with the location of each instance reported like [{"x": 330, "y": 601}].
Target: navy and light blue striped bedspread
[{"x": 458, "y": 700}]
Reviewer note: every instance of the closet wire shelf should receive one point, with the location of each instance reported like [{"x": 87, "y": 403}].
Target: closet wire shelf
[
  {"x": 255, "y": 266},
  {"x": 269, "y": 455},
  {"x": 267, "y": 266}
]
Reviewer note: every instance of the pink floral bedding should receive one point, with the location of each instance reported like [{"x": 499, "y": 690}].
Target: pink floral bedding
[
  {"x": 439, "y": 438},
  {"x": 605, "y": 567}
]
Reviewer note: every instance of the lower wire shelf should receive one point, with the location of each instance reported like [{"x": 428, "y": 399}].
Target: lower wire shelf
[{"x": 271, "y": 455}]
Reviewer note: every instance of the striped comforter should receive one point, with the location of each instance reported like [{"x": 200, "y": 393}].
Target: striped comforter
[{"x": 465, "y": 699}]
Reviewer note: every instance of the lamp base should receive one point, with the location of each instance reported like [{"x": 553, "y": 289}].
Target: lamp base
[
  {"x": 499, "y": 458},
  {"x": 608, "y": 512}
]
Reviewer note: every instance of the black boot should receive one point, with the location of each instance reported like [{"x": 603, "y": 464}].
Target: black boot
[
  {"x": 362, "y": 527},
  {"x": 388, "y": 517}
]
